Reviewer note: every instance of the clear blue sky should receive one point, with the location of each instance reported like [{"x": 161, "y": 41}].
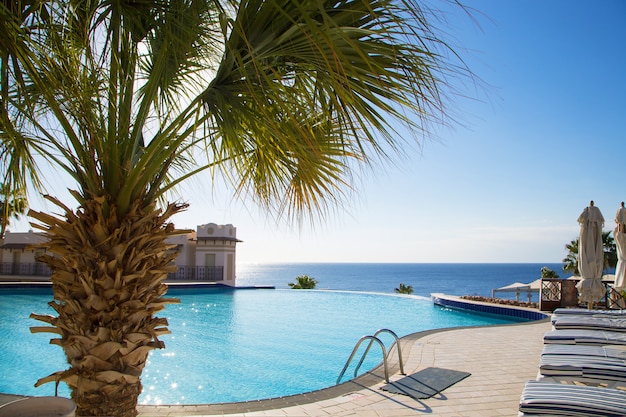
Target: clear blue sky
[{"x": 505, "y": 185}]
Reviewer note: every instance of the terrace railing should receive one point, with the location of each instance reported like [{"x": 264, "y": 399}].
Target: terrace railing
[
  {"x": 197, "y": 273},
  {"x": 35, "y": 269},
  {"x": 557, "y": 292},
  {"x": 184, "y": 272}
]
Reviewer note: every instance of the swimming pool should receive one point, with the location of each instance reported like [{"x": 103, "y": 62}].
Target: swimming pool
[{"x": 233, "y": 345}]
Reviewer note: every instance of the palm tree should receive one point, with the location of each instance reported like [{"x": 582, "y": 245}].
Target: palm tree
[
  {"x": 13, "y": 204},
  {"x": 570, "y": 262},
  {"x": 548, "y": 273},
  {"x": 610, "y": 250},
  {"x": 404, "y": 289},
  {"x": 285, "y": 99},
  {"x": 303, "y": 282}
]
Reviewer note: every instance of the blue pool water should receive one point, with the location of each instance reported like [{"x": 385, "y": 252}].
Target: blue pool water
[{"x": 233, "y": 345}]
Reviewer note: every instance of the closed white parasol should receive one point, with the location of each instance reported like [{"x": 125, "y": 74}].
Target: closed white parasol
[
  {"x": 591, "y": 255},
  {"x": 620, "y": 242}
]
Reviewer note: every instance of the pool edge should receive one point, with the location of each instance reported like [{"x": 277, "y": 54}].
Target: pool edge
[{"x": 458, "y": 303}]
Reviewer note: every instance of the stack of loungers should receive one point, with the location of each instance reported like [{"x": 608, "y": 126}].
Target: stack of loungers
[{"x": 582, "y": 371}]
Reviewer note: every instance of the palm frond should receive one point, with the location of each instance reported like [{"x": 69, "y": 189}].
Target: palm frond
[{"x": 300, "y": 78}]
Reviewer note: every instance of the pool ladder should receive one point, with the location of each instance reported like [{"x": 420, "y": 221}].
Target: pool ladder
[{"x": 373, "y": 339}]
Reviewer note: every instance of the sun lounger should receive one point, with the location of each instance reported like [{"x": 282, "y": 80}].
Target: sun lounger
[
  {"x": 545, "y": 398},
  {"x": 582, "y": 350},
  {"x": 584, "y": 337},
  {"x": 587, "y": 312},
  {"x": 612, "y": 324},
  {"x": 581, "y": 312},
  {"x": 585, "y": 368}
]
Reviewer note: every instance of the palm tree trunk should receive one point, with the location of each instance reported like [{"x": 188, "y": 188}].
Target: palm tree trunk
[{"x": 107, "y": 283}]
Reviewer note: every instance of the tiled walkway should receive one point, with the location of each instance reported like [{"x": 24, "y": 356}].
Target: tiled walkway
[{"x": 500, "y": 359}]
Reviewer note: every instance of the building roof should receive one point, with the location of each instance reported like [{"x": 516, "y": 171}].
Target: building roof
[{"x": 22, "y": 240}]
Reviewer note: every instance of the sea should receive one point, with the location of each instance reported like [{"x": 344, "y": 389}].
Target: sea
[{"x": 425, "y": 278}]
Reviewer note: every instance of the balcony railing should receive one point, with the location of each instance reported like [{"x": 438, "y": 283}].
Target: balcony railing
[
  {"x": 35, "y": 269},
  {"x": 197, "y": 273},
  {"x": 184, "y": 273},
  {"x": 557, "y": 292}
]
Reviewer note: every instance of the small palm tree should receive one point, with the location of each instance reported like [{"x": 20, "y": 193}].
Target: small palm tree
[
  {"x": 570, "y": 262},
  {"x": 404, "y": 289},
  {"x": 548, "y": 273},
  {"x": 13, "y": 204},
  {"x": 610, "y": 250},
  {"x": 303, "y": 282}
]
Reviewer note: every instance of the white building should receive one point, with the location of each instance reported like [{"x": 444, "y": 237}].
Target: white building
[
  {"x": 17, "y": 260},
  {"x": 208, "y": 254}
]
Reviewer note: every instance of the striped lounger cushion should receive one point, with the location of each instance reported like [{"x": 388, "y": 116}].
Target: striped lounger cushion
[
  {"x": 587, "y": 312},
  {"x": 584, "y": 337},
  {"x": 582, "y": 322},
  {"x": 545, "y": 398},
  {"x": 593, "y": 367},
  {"x": 583, "y": 350},
  {"x": 579, "y": 312}
]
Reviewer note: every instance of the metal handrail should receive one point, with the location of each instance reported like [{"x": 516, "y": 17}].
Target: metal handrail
[
  {"x": 397, "y": 342},
  {"x": 358, "y": 344}
]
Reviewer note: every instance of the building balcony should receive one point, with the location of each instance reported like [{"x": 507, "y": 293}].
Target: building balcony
[
  {"x": 35, "y": 269},
  {"x": 197, "y": 273},
  {"x": 184, "y": 272}
]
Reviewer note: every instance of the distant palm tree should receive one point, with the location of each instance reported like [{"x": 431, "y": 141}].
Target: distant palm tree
[
  {"x": 404, "y": 289},
  {"x": 303, "y": 282},
  {"x": 610, "y": 250},
  {"x": 570, "y": 262},
  {"x": 12, "y": 205},
  {"x": 548, "y": 273}
]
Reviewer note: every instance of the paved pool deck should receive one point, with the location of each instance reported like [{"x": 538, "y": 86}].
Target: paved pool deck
[{"x": 500, "y": 360}]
